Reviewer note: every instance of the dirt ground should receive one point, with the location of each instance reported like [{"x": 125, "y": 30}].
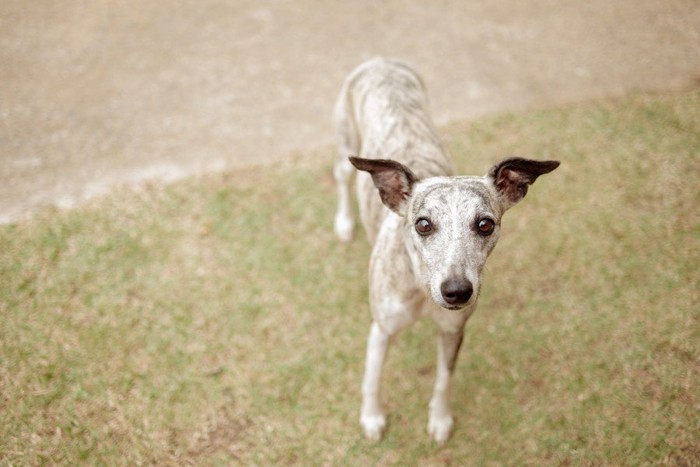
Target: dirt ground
[{"x": 99, "y": 93}]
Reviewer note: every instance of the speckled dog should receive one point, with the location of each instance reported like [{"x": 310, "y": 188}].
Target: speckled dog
[{"x": 432, "y": 231}]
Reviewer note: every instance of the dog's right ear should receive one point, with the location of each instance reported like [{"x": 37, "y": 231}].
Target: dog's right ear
[
  {"x": 393, "y": 180},
  {"x": 513, "y": 176}
]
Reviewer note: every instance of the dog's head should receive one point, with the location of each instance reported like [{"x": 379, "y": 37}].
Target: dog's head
[{"x": 453, "y": 223}]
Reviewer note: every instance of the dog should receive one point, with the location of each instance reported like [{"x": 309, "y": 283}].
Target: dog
[{"x": 432, "y": 231}]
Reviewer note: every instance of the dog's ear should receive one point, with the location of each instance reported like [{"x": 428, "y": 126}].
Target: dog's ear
[
  {"x": 393, "y": 180},
  {"x": 512, "y": 176}
]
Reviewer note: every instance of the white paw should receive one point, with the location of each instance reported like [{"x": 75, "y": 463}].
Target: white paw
[
  {"x": 374, "y": 426},
  {"x": 440, "y": 428},
  {"x": 344, "y": 227}
]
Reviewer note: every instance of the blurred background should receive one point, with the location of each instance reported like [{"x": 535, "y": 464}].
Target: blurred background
[
  {"x": 100, "y": 93},
  {"x": 217, "y": 320}
]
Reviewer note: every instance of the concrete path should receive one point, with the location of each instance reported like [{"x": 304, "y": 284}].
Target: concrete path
[{"x": 99, "y": 93}]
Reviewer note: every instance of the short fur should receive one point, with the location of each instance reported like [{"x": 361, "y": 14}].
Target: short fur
[{"x": 432, "y": 231}]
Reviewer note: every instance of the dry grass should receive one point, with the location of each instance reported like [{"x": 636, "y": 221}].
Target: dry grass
[{"x": 217, "y": 320}]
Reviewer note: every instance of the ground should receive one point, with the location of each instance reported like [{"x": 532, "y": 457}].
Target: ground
[
  {"x": 103, "y": 93},
  {"x": 217, "y": 320}
]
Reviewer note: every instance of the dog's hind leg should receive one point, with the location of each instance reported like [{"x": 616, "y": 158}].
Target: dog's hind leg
[
  {"x": 348, "y": 141},
  {"x": 344, "y": 218},
  {"x": 440, "y": 419}
]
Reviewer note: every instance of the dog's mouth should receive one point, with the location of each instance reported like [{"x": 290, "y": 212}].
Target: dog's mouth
[{"x": 455, "y": 307}]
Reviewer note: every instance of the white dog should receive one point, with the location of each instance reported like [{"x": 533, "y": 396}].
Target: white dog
[{"x": 432, "y": 231}]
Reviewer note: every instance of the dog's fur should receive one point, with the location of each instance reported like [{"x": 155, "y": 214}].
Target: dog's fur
[{"x": 432, "y": 231}]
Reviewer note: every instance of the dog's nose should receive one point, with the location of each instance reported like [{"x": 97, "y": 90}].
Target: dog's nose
[{"x": 456, "y": 292}]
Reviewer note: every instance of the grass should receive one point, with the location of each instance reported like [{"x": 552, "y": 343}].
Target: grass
[{"x": 217, "y": 321}]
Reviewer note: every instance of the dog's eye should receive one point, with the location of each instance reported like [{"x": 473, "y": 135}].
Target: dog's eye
[
  {"x": 424, "y": 227},
  {"x": 485, "y": 227}
]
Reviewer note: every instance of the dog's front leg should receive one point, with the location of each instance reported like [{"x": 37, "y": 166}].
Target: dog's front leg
[
  {"x": 440, "y": 420},
  {"x": 372, "y": 416}
]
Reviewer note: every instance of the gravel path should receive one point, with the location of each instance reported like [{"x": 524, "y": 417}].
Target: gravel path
[{"x": 99, "y": 93}]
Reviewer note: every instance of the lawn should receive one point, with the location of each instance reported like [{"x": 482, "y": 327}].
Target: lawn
[{"x": 217, "y": 320}]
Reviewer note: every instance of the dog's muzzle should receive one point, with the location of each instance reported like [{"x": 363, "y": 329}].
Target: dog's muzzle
[{"x": 456, "y": 292}]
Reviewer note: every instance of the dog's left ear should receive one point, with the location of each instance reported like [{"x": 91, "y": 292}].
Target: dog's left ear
[
  {"x": 512, "y": 177},
  {"x": 393, "y": 180}
]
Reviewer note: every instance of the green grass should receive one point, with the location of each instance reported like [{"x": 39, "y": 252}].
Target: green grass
[{"x": 217, "y": 321}]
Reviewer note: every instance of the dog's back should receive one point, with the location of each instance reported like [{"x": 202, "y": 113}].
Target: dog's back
[{"x": 382, "y": 113}]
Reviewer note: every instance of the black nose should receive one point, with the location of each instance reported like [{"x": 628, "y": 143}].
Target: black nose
[{"x": 456, "y": 292}]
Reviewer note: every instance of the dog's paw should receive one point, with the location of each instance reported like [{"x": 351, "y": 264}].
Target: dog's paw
[
  {"x": 440, "y": 428},
  {"x": 373, "y": 425},
  {"x": 343, "y": 228}
]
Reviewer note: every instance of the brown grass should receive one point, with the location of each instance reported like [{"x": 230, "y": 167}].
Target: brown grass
[{"x": 217, "y": 320}]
